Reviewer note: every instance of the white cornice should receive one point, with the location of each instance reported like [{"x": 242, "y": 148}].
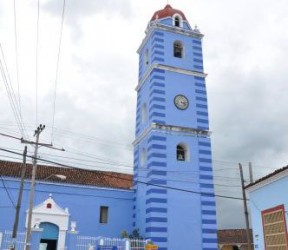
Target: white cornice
[
  {"x": 168, "y": 68},
  {"x": 170, "y": 128},
  {"x": 156, "y": 25},
  {"x": 268, "y": 181}
]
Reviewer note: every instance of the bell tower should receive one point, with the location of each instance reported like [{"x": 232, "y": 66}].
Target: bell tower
[{"x": 174, "y": 202}]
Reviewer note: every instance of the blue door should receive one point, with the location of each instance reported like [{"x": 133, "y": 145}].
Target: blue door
[{"x": 49, "y": 235}]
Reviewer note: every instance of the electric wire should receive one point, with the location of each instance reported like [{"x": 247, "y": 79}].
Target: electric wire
[
  {"x": 184, "y": 180},
  {"x": 66, "y": 133},
  {"x": 127, "y": 165},
  {"x": 127, "y": 179},
  {"x": 121, "y": 166},
  {"x": 57, "y": 68},
  {"x": 110, "y": 143},
  {"x": 7, "y": 191},
  {"x": 10, "y": 157},
  {"x": 10, "y": 92},
  {"x": 105, "y": 161},
  {"x": 73, "y": 194},
  {"x": 190, "y": 173},
  {"x": 36, "y": 63},
  {"x": 17, "y": 57}
]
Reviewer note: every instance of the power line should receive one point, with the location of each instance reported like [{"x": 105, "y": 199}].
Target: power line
[
  {"x": 104, "y": 161},
  {"x": 126, "y": 179},
  {"x": 6, "y": 190},
  {"x": 216, "y": 162},
  {"x": 172, "y": 180},
  {"x": 74, "y": 194},
  {"x": 73, "y": 135},
  {"x": 16, "y": 57},
  {"x": 121, "y": 166},
  {"x": 36, "y": 64},
  {"x": 57, "y": 68},
  {"x": 10, "y": 92},
  {"x": 187, "y": 181}
]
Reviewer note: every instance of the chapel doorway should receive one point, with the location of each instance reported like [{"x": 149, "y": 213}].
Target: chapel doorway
[{"x": 49, "y": 237}]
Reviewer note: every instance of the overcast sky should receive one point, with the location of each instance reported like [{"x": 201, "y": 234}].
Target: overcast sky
[{"x": 245, "y": 56}]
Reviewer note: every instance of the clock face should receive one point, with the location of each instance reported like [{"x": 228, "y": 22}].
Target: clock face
[{"x": 181, "y": 102}]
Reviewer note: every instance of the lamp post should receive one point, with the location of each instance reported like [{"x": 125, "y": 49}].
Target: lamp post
[
  {"x": 37, "y": 133},
  {"x": 59, "y": 176},
  {"x": 32, "y": 189}
]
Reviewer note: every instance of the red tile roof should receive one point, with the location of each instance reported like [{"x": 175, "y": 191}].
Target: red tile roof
[
  {"x": 267, "y": 176},
  {"x": 168, "y": 11},
  {"x": 233, "y": 236},
  {"x": 73, "y": 175}
]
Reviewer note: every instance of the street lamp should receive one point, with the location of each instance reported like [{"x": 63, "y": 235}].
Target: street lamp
[
  {"x": 59, "y": 176},
  {"x": 28, "y": 234}
]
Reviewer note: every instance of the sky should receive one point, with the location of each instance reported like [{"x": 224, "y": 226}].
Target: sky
[{"x": 245, "y": 52}]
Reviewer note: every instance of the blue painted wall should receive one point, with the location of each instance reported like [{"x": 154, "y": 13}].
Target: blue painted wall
[
  {"x": 83, "y": 203},
  {"x": 173, "y": 219},
  {"x": 277, "y": 193}
]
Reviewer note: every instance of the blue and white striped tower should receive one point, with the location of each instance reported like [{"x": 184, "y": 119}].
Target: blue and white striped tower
[{"x": 174, "y": 201}]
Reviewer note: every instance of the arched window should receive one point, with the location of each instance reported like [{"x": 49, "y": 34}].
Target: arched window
[
  {"x": 182, "y": 153},
  {"x": 49, "y": 205},
  {"x": 177, "y": 20},
  {"x": 144, "y": 113},
  {"x": 178, "y": 49}
]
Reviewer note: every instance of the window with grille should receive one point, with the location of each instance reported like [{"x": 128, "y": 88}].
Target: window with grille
[
  {"x": 274, "y": 227},
  {"x": 178, "y": 49},
  {"x": 182, "y": 152}
]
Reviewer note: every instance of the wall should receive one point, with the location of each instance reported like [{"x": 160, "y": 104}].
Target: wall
[
  {"x": 268, "y": 196},
  {"x": 83, "y": 203}
]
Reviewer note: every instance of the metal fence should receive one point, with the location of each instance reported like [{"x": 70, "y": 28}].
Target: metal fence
[
  {"x": 112, "y": 242},
  {"x": 86, "y": 243},
  {"x": 103, "y": 243},
  {"x": 1, "y": 237},
  {"x": 137, "y": 244},
  {"x": 7, "y": 240}
]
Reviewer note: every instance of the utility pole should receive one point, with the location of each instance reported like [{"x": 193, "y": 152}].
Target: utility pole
[
  {"x": 33, "y": 179},
  {"x": 32, "y": 189},
  {"x": 251, "y": 172},
  {"x": 245, "y": 208},
  {"x": 18, "y": 206}
]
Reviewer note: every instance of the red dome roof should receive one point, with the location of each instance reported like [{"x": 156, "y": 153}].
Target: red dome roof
[{"x": 168, "y": 11}]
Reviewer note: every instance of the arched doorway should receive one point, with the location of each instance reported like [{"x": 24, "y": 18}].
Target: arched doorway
[{"x": 50, "y": 234}]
